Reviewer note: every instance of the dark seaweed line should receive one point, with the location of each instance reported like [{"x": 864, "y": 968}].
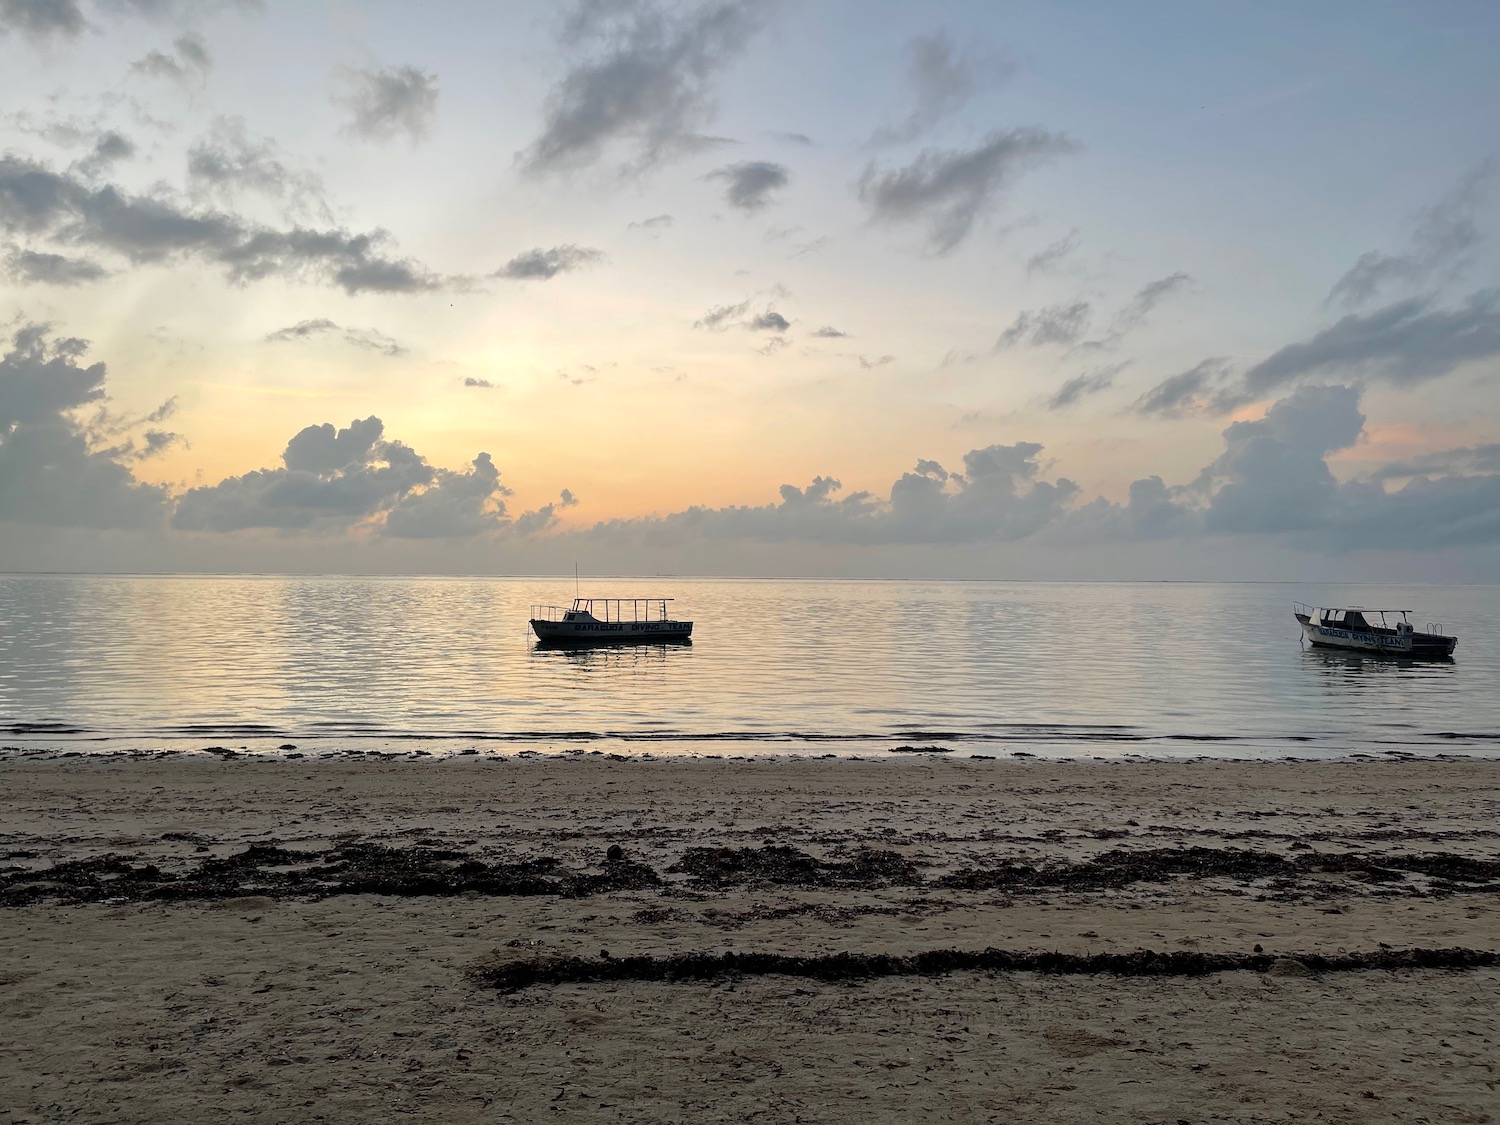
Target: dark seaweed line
[{"x": 511, "y": 976}]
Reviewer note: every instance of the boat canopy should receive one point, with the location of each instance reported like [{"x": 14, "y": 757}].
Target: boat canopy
[
  {"x": 1353, "y": 617},
  {"x": 605, "y": 609}
]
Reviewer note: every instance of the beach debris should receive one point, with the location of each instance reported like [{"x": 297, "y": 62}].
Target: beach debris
[
  {"x": 615, "y": 853},
  {"x": 1077, "y": 1043},
  {"x": 509, "y": 973},
  {"x": 362, "y": 866},
  {"x": 777, "y": 863},
  {"x": 921, "y": 750},
  {"x": 1288, "y": 967}
]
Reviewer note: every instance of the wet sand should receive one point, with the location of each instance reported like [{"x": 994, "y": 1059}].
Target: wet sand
[{"x": 322, "y": 940}]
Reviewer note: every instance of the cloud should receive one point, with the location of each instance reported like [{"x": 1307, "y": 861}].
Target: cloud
[
  {"x": 36, "y": 201},
  {"x": 1406, "y": 342},
  {"x": 46, "y": 21},
  {"x": 540, "y": 265},
  {"x": 880, "y": 361},
  {"x": 943, "y": 80},
  {"x": 751, "y": 183},
  {"x": 949, "y": 191},
  {"x": 1442, "y": 243},
  {"x": 1470, "y": 460},
  {"x": 769, "y": 321},
  {"x": 1185, "y": 392},
  {"x": 32, "y": 268},
  {"x": 1047, "y": 259},
  {"x": 454, "y": 506},
  {"x": 656, "y": 222},
  {"x": 828, "y": 332},
  {"x": 1134, "y": 314},
  {"x": 373, "y": 340},
  {"x": 367, "y": 338},
  {"x": 334, "y": 481},
  {"x": 470, "y": 381},
  {"x": 723, "y": 317},
  {"x": 190, "y": 63},
  {"x": 385, "y": 103},
  {"x": 52, "y": 469},
  {"x": 645, "y": 84},
  {"x": 1081, "y": 386},
  {"x": 998, "y": 496},
  {"x": 793, "y": 139},
  {"x": 42, "y": 20},
  {"x": 109, "y": 148},
  {"x": 1055, "y": 324},
  {"x": 228, "y": 161},
  {"x": 1273, "y": 475}
]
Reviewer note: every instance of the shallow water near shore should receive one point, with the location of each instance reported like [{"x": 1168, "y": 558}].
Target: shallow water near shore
[{"x": 445, "y": 665}]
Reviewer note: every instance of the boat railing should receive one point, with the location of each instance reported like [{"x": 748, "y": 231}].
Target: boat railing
[
  {"x": 1304, "y": 609},
  {"x": 634, "y": 610}
]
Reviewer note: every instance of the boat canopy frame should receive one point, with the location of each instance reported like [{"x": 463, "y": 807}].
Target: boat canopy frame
[
  {"x": 635, "y": 610},
  {"x": 1315, "y": 613}
]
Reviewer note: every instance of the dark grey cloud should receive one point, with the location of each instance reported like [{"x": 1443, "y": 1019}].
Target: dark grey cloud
[
  {"x": 751, "y": 183},
  {"x": 369, "y": 339},
  {"x": 1187, "y": 392},
  {"x": 1055, "y": 324},
  {"x": 1146, "y": 299},
  {"x": 189, "y": 62},
  {"x": 42, "y": 20},
  {"x": 334, "y": 480},
  {"x": 227, "y": 161},
  {"x": 454, "y": 506},
  {"x": 948, "y": 191},
  {"x": 723, "y": 317},
  {"x": 793, "y": 139},
  {"x": 331, "y": 479},
  {"x": 944, "y": 79},
  {"x": 52, "y": 469},
  {"x": 1051, "y": 256},
  {"x": 540, "y": 265},
  {"x": 1445, "y": 237},
  {"x": 1468, "y": 461},
  {"x": 109, "y": 149},
  {"x": 545, "y": 517},
  {"x": 643, "y": 83},
  {"x": 828, "y": 332},
  {"x": 998, "y": 496},
  {"x": 1405, "y": 343},
  {"x": 38, "y": 202},
  {"x": 1084, "y": 385},
  {"x": 1273, "y": 479},
  {"x": 33, "y": 268},
  {"x": 769, "y": 321},
  {"x": 470, "y": 381},
  {"x": 386, "y": 103}
]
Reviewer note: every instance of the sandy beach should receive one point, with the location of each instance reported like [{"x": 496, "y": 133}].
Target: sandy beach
[{"x": 190, "y": 937}]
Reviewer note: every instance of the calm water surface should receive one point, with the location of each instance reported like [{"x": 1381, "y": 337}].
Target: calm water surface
[{"x": 446, "y": 664}]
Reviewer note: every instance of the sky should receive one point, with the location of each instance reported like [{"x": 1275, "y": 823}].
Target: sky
[{"x": 839, "y": 287}]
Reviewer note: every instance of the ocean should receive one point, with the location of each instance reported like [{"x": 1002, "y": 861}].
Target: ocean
[{"x": 312, "y": 665}]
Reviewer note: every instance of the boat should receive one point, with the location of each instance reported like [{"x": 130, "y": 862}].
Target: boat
[
  {"x": 1354, "y": 629},
  {"x": 608, "y": 621}
]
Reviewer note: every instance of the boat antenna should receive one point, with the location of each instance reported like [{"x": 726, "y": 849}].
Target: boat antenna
[{"x": 575, "y": 580}]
